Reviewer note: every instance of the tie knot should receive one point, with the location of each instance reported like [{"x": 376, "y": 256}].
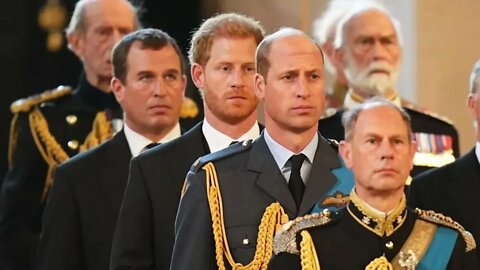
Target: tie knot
[{"x": 297, "y": 161}]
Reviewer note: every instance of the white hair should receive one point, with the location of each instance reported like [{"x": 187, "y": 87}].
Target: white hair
[
  {"x": 358, "y": 8},
  {"x": 473, "y": 82},
  {"x": 324, "y": 26}
]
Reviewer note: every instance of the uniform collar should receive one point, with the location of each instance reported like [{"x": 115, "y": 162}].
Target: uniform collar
[
  {"x": 374, "y": 220},
  {"x": 138, "y": 142},
  {"x": 282, "y": 154},
  {"x": 352, "y": 99},
  {"x": 94, "y": 96},
  {"x": 216, "y": 140}
]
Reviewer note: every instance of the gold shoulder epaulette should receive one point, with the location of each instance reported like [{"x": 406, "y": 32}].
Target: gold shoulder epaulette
[
  {"x": 189, "y": 108},
  {"x": 26, "y": 104},
  {"x": 414, "y": 107},
  {"x": 286, "y": 238},
  {"x": 446, "y": 221}
]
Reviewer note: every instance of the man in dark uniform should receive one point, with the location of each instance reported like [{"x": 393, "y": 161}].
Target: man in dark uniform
[
  {"x": 368, "y": 48},
  {"x": 80, "y": 216},
  {"x": 222, "y": 57},
  {"x": 454, "y": 189},
  {"x": 375, "y": 230},
  {"x": 53, "y": 126},
  {"x": 287, "y": 169}
]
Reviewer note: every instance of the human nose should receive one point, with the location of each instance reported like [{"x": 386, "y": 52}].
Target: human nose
[
  {"x": 159, "y": 89},
  {"x": 379, "y": 51},
  {"x": 386, "y": 150},
  {"x": 237, "y": 78},
  {"x": 302, "y": 87}
]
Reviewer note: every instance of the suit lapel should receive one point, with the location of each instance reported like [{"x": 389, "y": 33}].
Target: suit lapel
[
  {"x": 270, "y": 179},
  {"x": 466, "y": 184},
  {"x": 113, "y": 177},
  {"x": 321, "y": 178}
]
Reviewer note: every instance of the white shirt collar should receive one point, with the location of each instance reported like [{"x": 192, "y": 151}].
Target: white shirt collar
[
  {"x": 216, "y": 140},
  {"x": 477, "y": 151},
  {"x": 137, "y": 142},
  {"x": 282, "y": 154}
]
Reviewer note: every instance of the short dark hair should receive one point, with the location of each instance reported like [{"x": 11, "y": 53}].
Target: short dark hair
[
  {"x": 350, "y": 117},
  {"x": 263, "y": 49},
  {"x": 149, "y": 38}
]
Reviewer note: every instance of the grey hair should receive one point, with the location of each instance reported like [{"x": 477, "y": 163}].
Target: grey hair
[
  {"x": 77, "y": 22},
  {"x": 324, "y": 26},
  {"x": 474, "y": 78},
  {"x": 357, "y": 9},
  {"x": 350, "y": 117}
]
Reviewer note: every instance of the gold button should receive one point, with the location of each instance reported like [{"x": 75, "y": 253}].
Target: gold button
[
  {"x": 71, "y": 119},
  {"x": 389, "y": 244},
  {"x": 73, "y": 144}
]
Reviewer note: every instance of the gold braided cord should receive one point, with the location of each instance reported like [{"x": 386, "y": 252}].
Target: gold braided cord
[
  {"x": 102, "y": 130},
  {"x": 52, "y": 152},
  {"x": 270, "y": 222},
  {"x": 380, "y": 263},
  {"x": 48, "y": 147},
  {"x": 447, "y": 221},
  {"x": 12, "y": 141},
  {"x": 308, "y": 254}
]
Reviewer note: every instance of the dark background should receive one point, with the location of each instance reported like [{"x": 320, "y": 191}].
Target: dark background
[{"x": 27, "y": 67}]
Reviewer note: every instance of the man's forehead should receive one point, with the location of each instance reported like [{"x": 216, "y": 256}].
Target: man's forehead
[
  {"x": 109, "y": 10},
  {"x": 370, "y": 22}
]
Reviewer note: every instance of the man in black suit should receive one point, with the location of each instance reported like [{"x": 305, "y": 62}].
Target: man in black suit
[
  {"x": 368, "y": 49},
  {"x": 80, "y": 216},
  {"x": 290, "y": 163},
  {"x": 455, "y": 188},
  {"x": 222, "y": 57},
  {"x": 49, "y": 128},
  {"x": 376, "y": 230}
]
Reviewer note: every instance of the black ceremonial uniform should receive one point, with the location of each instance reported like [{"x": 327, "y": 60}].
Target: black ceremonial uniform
[
  {"x": 47, "y": 129},
  {"x": 355, "y": 237},
  {"x": 438, "y": 142}
]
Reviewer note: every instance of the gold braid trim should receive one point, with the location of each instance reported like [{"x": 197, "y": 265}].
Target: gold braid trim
[
  {"x": 271, "y": 221},
  {"x": 308, "y": 254},
  {"x": 102, "y": 130},
  {"x": 380, "y": 263},
  {"x": 49, "y": 149},
  {"x": 441, "y": 219},
  {"x": 52, "y": 152},
  {"x": 12, "y": 141},
  {"x": 189, "y": 108}
]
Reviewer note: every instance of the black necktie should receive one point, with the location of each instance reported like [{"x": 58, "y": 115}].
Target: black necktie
[
  {"x": 149, "y": 146},
  {"x": 295, "y": 183}
]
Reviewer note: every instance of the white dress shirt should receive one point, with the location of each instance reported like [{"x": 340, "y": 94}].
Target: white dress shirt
[
  {"x": 216, "y": 140},
  {"x": 138, "y": 142}
]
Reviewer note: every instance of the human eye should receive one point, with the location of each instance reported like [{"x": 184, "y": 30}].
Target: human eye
[
  {"x": 171, "y": 76},
  {"x": 145, "y": 77},
  {"x": 250, "y": 69},
  {"x": 314, "y": 76},
  {"x": 288, "y": 77},
  {"x": 225, "y": 68}
]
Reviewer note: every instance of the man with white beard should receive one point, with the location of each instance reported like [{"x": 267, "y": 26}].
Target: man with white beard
[{"x": 367, "y": 43}]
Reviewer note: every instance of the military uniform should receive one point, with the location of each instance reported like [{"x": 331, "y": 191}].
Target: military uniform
[
  {"x": 46, "y": 130},
  {"x": 437, "y": 138},
  {"x": 229, "y": 191},
  {"x": 358, "y": 238}
]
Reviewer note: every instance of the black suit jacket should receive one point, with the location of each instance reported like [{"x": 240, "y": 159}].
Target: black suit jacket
[
  {"x": 83, "y": 206},
  {"x": 331, "y": 127},
  {"x": 144, "y": 234},
  {"x": 250, "y": 181},
  {"x": 21, "y": 201},
  {"x": 453, "y": 190}
]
